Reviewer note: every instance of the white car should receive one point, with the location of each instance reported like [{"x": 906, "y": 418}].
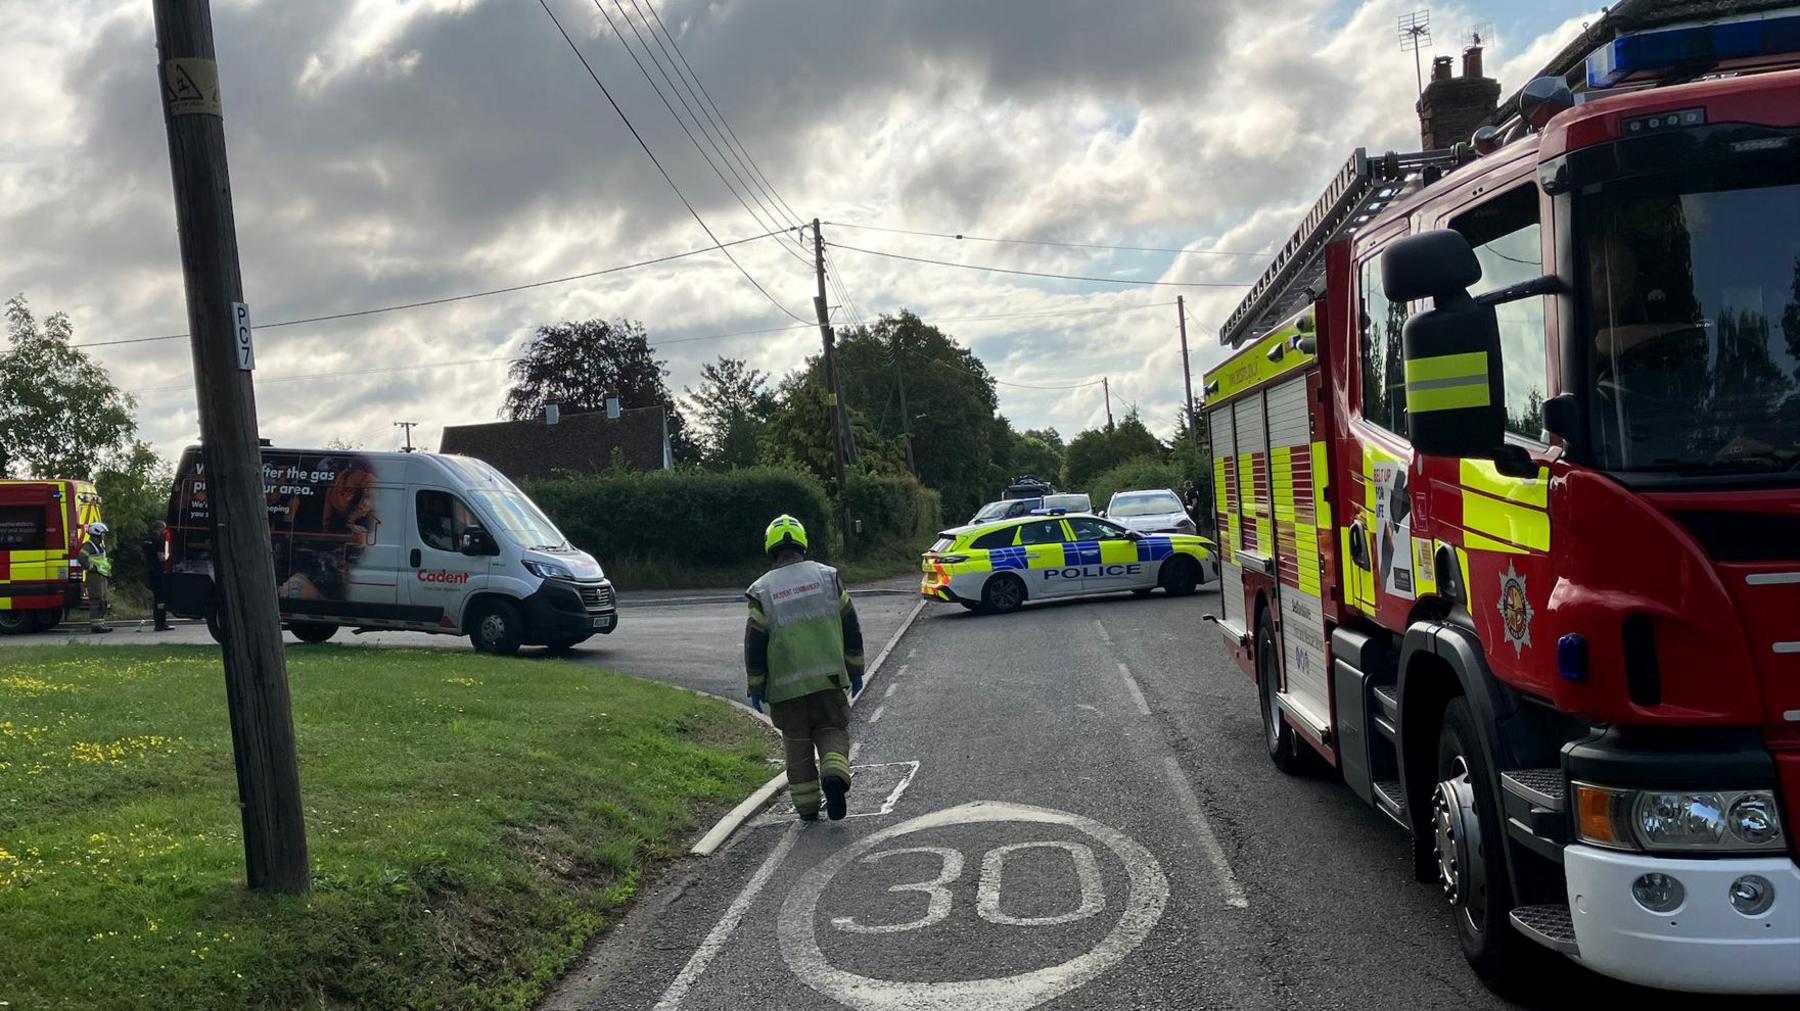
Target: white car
[{"x": 1157, "y": 511}]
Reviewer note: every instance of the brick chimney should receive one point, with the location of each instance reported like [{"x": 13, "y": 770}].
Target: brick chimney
[{"x": 1452, "y": 107}]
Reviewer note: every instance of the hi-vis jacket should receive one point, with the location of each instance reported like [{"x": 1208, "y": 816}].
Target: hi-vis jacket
[
  {"x": 98, "y": 561},
  {"x": 803, "y": 635}
]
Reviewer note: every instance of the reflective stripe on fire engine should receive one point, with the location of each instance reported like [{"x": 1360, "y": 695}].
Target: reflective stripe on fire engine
[
  {"x": 1447, "y": 382},
  {"x": 1502, "y": 513}
]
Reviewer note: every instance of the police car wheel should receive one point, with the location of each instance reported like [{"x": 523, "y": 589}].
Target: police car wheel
[
  {"x": 1002, "y": 595},
  {"x": 495, "y": 627},
  {"x": 1180, "y": 576}
]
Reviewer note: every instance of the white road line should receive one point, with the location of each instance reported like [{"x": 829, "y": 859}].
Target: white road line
[
  {"x": 1137, "y": 694},
  {"x": 721, "y": 932},
  {"x": 890, "y": 691},
  {"x": 1105, "y": 636},
  {"x": 903, "y": 669},
  {"x": 876, "y": 716},
  {"x": 1184, "y": 791}
]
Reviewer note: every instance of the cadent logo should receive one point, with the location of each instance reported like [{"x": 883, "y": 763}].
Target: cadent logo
[{"x": 443, "y": 576}]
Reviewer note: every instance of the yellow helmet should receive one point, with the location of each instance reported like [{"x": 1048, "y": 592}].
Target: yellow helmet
[{"x": 784, "y": 529}]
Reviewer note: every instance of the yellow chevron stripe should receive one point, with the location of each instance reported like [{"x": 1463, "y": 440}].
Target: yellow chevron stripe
[{"x": 1482, "y": 476}]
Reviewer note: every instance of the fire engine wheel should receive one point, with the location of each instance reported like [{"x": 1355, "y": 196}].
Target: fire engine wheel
[
  {"x": 312, "y": 631},
  {"x": 1467, "y": 846},
  {"x": 496, "y": 627},
  {"x": 16, "y": 622},
  {"x": 1002, "y": 595},
  {"x": 1278, "y": 737},
  {"x": 47, "y": 620}
]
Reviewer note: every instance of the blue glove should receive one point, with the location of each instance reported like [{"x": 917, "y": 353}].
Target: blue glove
[
  {"x": 856, "y": 683},
  {"x": 756, "y": 701}
]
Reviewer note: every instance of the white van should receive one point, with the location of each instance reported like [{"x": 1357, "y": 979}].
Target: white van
[{"x": 415, "y": 541}]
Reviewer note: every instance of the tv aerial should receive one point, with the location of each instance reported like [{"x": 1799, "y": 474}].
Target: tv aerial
[{"x": 1415, "y": 34}]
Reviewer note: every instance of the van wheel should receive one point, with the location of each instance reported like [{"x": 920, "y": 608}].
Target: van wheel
[
  {"x": 1468, "y": 848},
  {"x": 1002, "y": 595},
  {"x": 312, "y": 631},
  {"x": 16, "y": 622},
  {"x": 496, "y": 627},
  {"x": 1278, "y": 737},
  {"x": 1180, "y": 576},
  {"x": 215, "y": 622}
]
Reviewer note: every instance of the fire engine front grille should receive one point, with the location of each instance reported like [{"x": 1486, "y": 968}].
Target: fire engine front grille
[{"x": 597, "y": 598}]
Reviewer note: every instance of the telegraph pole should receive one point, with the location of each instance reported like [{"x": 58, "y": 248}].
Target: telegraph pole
[
  {"x": 256, "y": 682},
  {"x": 1187, "y": 374},
  {"x": 1106, "y": 388},
  {"x": 905, "y": 415},
  {"x": 832, "y": 398},
  {"x": 409, "y": 426}
]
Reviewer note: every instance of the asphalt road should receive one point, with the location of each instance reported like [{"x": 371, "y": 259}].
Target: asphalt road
[
  {"x": 1068, "y": 807},
  {"x": 697, "y": 646}
]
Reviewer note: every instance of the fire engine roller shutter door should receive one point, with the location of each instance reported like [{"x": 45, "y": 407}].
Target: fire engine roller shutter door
[
  {"x": 1296, "y": 549},
  {"x": 1252, "y": 481},
  {"x": 1225, "y": 517}
]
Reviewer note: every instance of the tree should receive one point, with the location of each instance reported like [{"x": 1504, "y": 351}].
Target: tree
[
  {"x": 1096, "y": 450},
  {"x": 134, "y": 492},
  {"x": 60, "y": 414},
  {"x": 577, "y": 365},
  {"x": 798, "y": 433},
  {"x": 732, "y": 406},
  {"x": 1032, "y": 453}
]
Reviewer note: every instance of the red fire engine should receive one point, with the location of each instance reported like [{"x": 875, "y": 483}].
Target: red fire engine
[{"x": 1507, "y": 478}]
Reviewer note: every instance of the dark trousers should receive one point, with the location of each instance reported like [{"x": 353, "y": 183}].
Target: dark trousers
[
  {"x": 159, "y": 606},
  {"x": 96, "y": 587},
  {"x": 819, "y": 723}
]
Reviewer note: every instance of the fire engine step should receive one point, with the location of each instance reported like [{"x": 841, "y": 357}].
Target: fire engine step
[
  {"x": 1549, "y": 925},
  {"x": 1545, "y": 788},
  {"x": 1387, "y": 711},
  {"x": 1391, "y": 800}
]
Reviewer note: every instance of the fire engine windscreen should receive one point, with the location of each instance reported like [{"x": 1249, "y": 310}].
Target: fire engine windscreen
[{"x": 1692, "y": 321}]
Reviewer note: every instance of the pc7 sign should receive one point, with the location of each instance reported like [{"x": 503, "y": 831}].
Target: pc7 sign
[{"x": 240, "y": 337}]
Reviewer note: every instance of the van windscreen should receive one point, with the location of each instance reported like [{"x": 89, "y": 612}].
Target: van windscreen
[{"x": 519, "y": 519}]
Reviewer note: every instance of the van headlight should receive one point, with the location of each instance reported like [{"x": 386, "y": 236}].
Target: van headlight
[
  {"x": 548, "y": 570},
  {"x": 1698, "y": 821}
]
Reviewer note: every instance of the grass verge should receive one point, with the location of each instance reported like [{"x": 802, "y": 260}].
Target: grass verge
[{"x": 472, "y": 823}]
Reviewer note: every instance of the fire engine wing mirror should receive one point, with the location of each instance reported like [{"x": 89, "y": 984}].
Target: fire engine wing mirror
[{"x": 1455, "y": 392}]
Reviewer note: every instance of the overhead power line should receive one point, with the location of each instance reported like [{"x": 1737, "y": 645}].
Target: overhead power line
[
  {"x": 757, "y": 213},
  {"x": 1040, "y": 273},
  {"x": 793, "y": 215},
  {"x": 573, "y": 48},
  {"x": 447, "y": 298},
  {"x": 1045, "y": 242}
]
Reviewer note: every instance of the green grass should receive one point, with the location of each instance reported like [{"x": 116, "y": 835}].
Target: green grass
[{"x": 473, "y": 822}]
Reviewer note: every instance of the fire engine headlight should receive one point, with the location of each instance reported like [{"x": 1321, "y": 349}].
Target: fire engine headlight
[
  {"x": 548, "y": 570},
  {"x": 1702, "y": 821}
]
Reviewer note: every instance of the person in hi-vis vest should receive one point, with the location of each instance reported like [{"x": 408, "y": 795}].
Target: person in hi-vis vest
[
  {"x": 98, "y": 566},
  {"x": 802, "y": 647}
]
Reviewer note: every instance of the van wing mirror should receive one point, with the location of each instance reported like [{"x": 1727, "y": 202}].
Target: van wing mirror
[
  {"x": 475, "y": 541},
  {"x": 1455, "y": 380}
]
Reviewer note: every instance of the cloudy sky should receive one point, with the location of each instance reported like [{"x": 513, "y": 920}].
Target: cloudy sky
[{"x": 384, "y": 152}]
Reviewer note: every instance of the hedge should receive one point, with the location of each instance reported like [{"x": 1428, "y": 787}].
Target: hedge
[
  {"x": 698, "y": 519},
  {"x": 894, "y": 509}
]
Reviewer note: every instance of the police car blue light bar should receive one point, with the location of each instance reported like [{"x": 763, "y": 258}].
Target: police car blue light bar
[{"x": 1649, "y": 54}]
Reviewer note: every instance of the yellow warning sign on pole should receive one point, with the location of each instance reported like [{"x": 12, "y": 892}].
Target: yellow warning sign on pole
[{"x": 191, "y": 87}]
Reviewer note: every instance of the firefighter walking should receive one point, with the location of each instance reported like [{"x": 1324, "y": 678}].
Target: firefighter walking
[
  {"x": 802, "y": 647},
  {"x": 97, "y": 564}
]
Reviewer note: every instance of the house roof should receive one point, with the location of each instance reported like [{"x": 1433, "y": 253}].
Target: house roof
[{"x": 578, "y": 443}]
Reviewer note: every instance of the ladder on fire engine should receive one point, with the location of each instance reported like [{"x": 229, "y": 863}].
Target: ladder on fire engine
[{"x": 1356, "y": 194}]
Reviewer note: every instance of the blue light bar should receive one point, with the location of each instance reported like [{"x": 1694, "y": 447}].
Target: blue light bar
[{"x": 1648, "y": 53}]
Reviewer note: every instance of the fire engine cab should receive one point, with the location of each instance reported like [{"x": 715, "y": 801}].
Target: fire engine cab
[{"x": 1507, "y": 479}]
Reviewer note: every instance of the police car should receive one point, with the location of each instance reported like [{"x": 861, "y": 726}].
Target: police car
[{"x": 998, "y": 566}]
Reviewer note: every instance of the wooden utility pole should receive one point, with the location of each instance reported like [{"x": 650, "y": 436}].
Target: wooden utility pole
[
  {"x": 905, "y": 415},
  {"x": 1106, "y": 388},
  {"x": 833, "y": 400},
  {"x": 1187, "y": 374},
  {"x": 256, "y": 682}
]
